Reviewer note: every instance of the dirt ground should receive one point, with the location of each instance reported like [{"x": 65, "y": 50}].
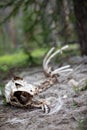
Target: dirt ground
[{"x": 68, "y": 102}]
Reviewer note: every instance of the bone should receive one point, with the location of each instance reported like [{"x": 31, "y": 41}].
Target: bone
[
  {"x": 63, "y": 71},
  {"x": 57, "y": 107},
  {"x": 61, "y": 68},
  {"x": 14, "y": 88},
  {"x": 48, "y": 54},
  {"x": 55, "y": 53}
]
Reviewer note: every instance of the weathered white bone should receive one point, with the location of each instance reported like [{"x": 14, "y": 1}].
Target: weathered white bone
[
  {"x": 48, "y": 54},
  {"x": 18, "y": 85},
  {"x": 47, "y": 59},
  {"x": 20, "y": 93},
  {"x": 55, "y": 53},
  {"x": 62, "y": 69}
]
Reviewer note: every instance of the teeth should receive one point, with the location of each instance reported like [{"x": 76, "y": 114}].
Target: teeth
[
  {"x": 42, "y": 107},
  {"x": 45, "y": 108}
]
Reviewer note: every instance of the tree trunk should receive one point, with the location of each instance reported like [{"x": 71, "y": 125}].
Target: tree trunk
[
  {"x": 12, "y": 33},
  {"x": 80, "y": 9},
  {"x": 67, "y": 28}
]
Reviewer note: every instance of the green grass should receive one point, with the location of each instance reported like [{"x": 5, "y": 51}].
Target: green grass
[
  {"x": 19, "y": 59},
  {"x": 82, "y": 125},
  {"x": 39, "y": 52},
  {"x": 85, "y": 86},
  {"x": 7, "y": 61},
  {"x": 13, "y": 58}
]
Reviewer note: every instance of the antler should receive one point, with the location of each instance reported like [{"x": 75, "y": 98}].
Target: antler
[
  {"x": 49, "y": 71},
  {"x": 50, "y": 55}
]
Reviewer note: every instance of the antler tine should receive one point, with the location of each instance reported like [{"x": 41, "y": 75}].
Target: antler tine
[
  {"x": 61, "y": 69},
  {"x": 65, "y": 70},
  {"x": 46, "y": 57},
  {"x": 55, "y": 53},
  {"x": 64, "y": 67}
]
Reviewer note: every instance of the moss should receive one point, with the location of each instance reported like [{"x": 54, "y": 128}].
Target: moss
[
  {"x": 76, "y": 89},
  {"x": 84, "y": 87},
  {"x": 76, "y": 104},
  {"x": 83, "y": 124}
]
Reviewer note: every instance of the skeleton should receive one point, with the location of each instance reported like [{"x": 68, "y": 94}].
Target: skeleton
[{"x": 22, "y": 94}]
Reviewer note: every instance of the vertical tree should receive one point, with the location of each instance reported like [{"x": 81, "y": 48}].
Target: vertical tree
[
  {"x": 67, "y": 28},
  {"x": 80, "y": 9},
  {"x": 12, "y": 33}
]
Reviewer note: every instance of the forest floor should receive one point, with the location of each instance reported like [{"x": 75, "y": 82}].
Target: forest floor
[{"x": 68, "y": 102}]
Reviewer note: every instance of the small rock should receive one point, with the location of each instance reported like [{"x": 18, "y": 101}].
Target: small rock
[
  {"x": 73, "y": 82},
  {"x": 65, "y": 96}
]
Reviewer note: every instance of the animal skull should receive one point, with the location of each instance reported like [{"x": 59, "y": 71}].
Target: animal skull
[
  {"x": 16, "y": 87},
  {"x": 20, "y": 93}
]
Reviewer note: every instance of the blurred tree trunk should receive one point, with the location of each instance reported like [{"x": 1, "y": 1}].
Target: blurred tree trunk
[
  {"x": 48, "y": 23},
  {"x": 51, "y": 9},
  {"x": 67, "y": 26},
  {"x": 80, "y": 9},
  {"x": 9, "y": 30},
  {"x": 12, "y": 33}
]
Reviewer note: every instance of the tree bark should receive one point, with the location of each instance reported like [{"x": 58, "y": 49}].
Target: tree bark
[
  {"x": 67, "y": 28},
  {"x": 80, "y": 9}
]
